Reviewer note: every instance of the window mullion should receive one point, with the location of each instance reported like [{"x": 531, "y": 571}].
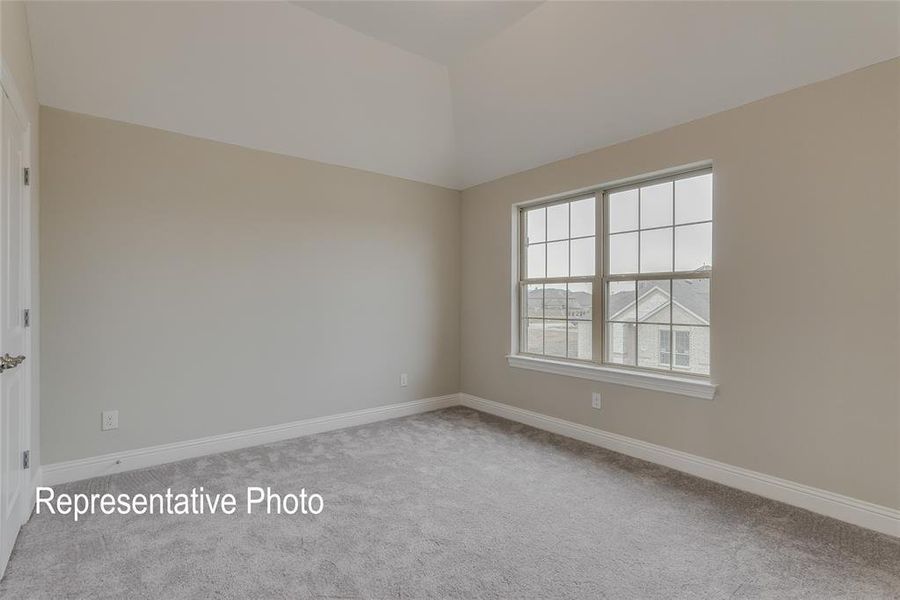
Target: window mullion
[
  {"x": 598, "y": 308},
  {"x": 662, "y": 275},
  {"x": 639, "y": 232},
  {"x": 543, "y": 318},
  {"x": 672, "y": 305},
  {"x": 673, "y": 243},
  {"x": 552, "y": 280}
]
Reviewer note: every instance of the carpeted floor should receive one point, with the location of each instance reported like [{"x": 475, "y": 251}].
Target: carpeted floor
[{"x": 450, "y": 504}]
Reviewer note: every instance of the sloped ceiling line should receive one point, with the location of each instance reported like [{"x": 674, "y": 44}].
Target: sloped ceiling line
[{"x": 448, "y": 93}]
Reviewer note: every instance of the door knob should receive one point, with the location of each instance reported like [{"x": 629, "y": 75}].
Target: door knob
[{"x": 10, "y": 362}]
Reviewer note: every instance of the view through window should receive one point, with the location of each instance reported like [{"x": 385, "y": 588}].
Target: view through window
[{"x": 647, "y": 273}]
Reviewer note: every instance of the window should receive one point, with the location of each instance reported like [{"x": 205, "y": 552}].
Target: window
[
  {"x": 620, "y": 276},
  {"x": 682, "y": 349},
  {"x": 560, "y": 248},
  {"x": 665, "y": 348}
]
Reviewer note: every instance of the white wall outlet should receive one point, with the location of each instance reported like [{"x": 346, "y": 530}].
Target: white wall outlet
[
  {"x": 404, "y": 380},
  {"x": 109, "y": 420},
  {"x": 595, "y": 400}
]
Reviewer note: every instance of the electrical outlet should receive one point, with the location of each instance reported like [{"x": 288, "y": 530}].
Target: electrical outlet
[
  {"x": 109, "y": 420},
  {"x": 595, "y": 400},
  {"x": 404, "y": 380}
]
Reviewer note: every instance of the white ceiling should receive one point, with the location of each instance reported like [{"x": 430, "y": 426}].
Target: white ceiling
[
  {"x": 266, "y": 75},
  {"x": 440, "y": 30},
  {"x": 527, "y": 83},
  {"x": 574, "y": 76}
]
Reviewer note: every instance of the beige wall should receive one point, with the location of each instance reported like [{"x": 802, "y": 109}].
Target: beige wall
[
  {"x": 15, "y": 50},
  {"x": 201, "y": 288},
  {"x": 804, "y": 292}
]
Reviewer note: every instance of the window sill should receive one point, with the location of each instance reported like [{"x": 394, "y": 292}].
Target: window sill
[{"x": 684, "y": 386}]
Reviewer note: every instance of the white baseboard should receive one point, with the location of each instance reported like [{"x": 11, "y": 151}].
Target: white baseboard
[
  {"x": 858, "y": 512},
  {"x": 85, "y": 468}
]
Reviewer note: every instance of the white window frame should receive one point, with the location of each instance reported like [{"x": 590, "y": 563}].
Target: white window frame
[{"x": 654, "y": 379}]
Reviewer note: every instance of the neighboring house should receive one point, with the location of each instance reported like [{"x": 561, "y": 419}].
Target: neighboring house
[
  {"x": 639, "y": 330},
  {"x": 684, "y": 345}
]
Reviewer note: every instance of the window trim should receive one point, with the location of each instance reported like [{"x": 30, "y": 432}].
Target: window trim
[
  {"x": 659, "y": 381},
  {"x": 700, "y": 386}
]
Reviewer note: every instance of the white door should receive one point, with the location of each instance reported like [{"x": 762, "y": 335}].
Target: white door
[{"x": 15, "y": 406}]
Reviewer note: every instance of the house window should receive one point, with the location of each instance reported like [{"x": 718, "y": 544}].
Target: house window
[
  {"x": 682, "y": 349},
  {"x": 665, "y": 347},
  {"x": 620, "y": 275}
]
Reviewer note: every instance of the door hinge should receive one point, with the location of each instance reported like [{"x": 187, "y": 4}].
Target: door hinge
[
  {"x": 27, "y": 176},
  {"x": 26, "y": 459},
  {"x": 27, "y": 317}
]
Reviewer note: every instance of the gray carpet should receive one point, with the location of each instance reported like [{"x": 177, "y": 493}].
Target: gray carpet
[{"x": 451, "y": 504}]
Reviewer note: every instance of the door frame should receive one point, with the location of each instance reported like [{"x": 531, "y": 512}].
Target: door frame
[{"x": 10, "y": 89}]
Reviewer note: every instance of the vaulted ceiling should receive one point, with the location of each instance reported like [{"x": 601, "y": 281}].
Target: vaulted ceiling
[
  {"x": 441, "y": 30},
  {"x": 450, "y": 93}
]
